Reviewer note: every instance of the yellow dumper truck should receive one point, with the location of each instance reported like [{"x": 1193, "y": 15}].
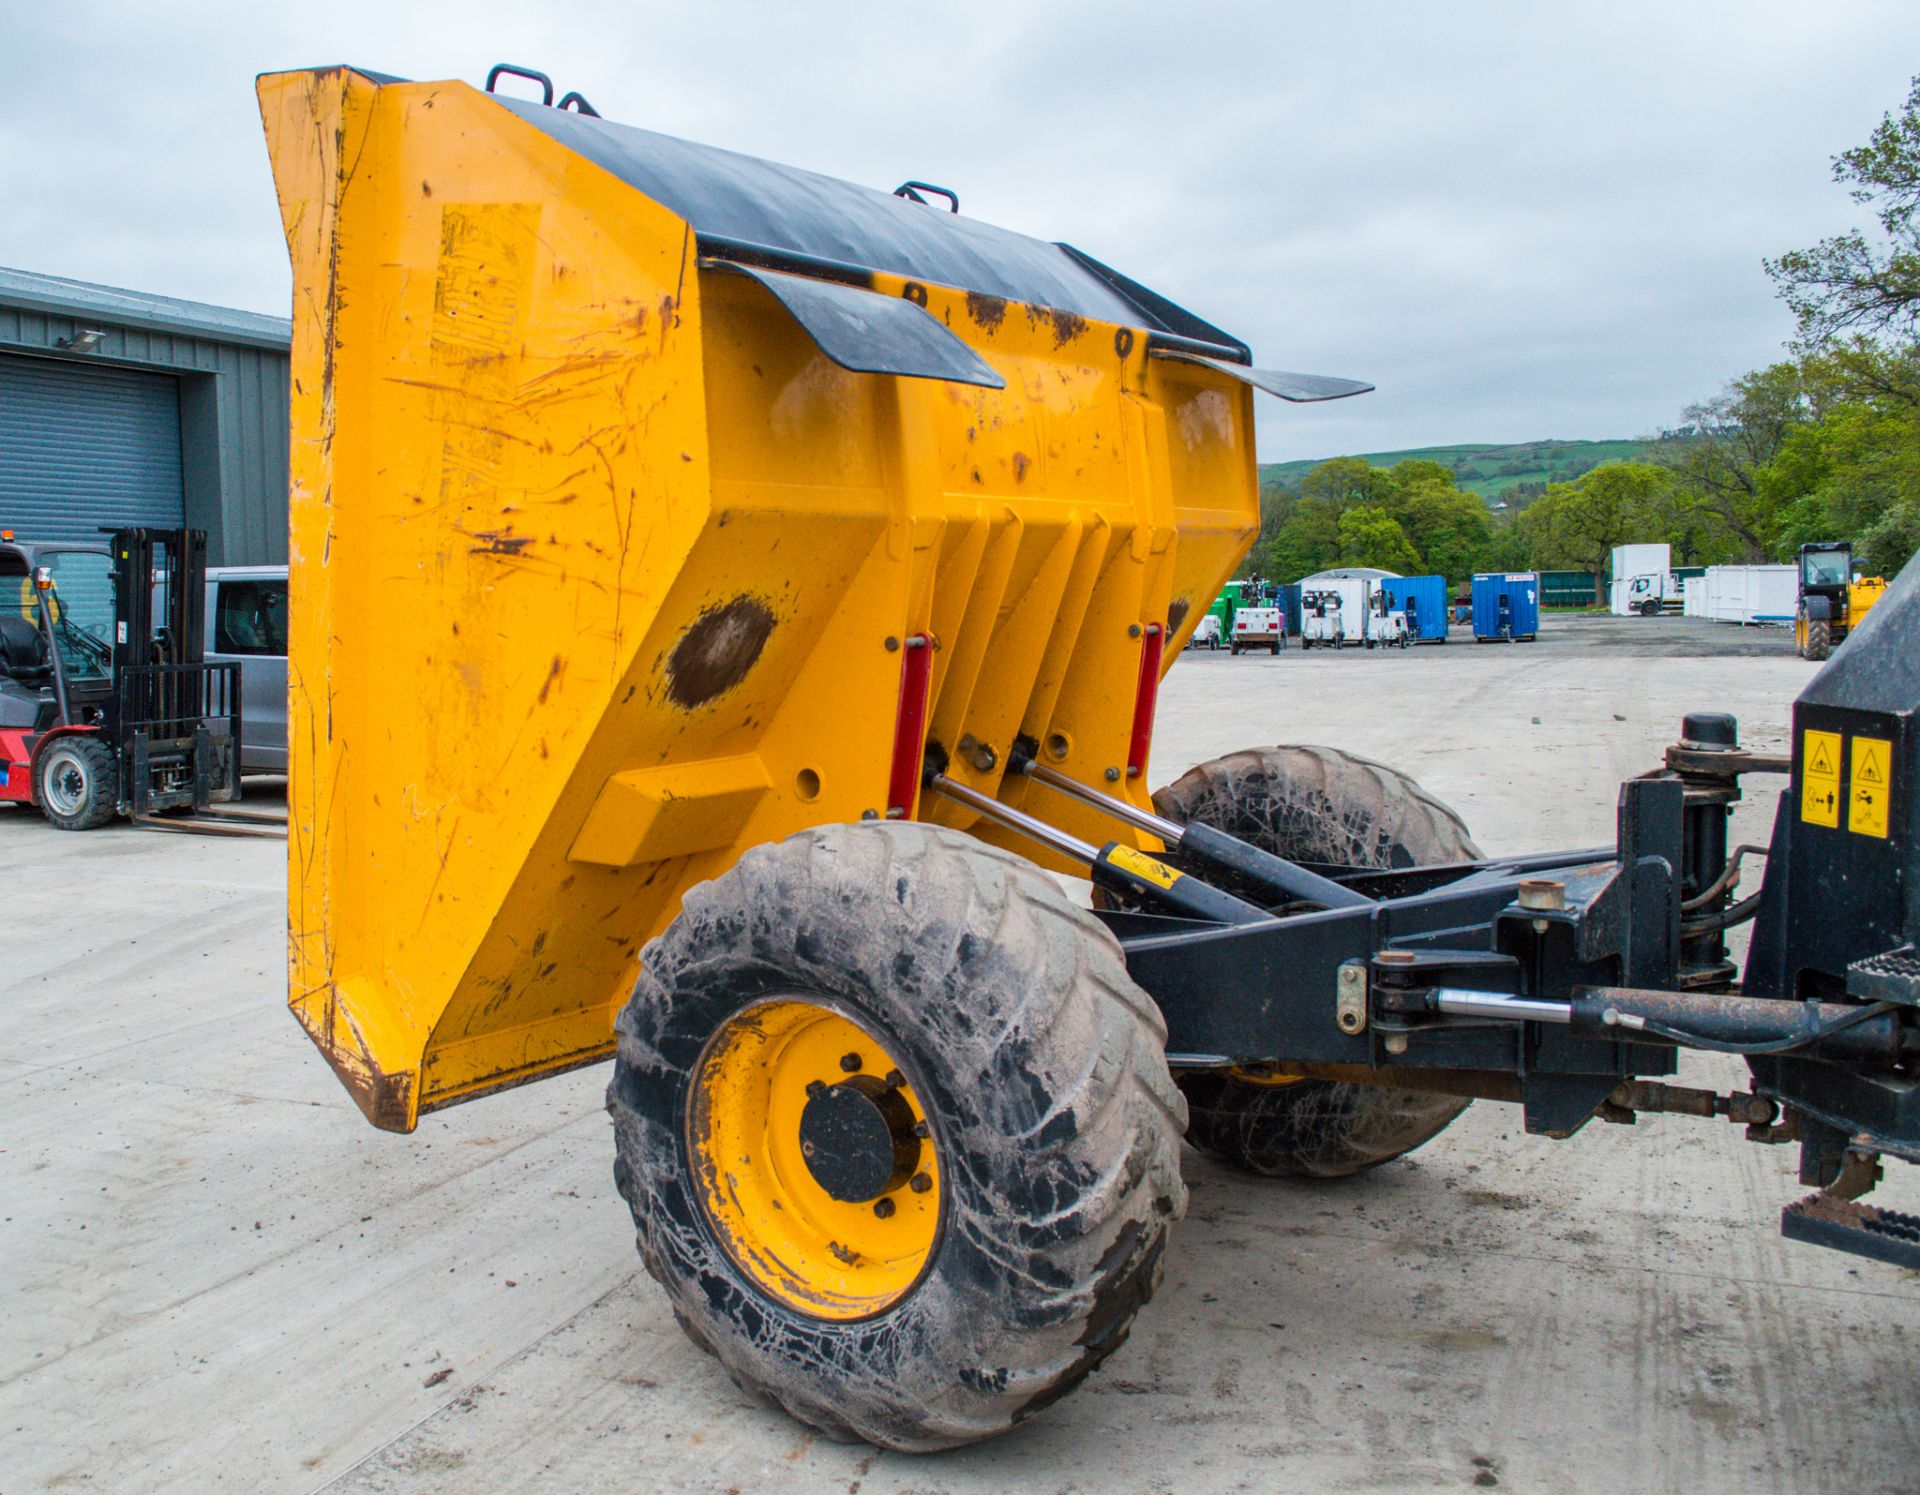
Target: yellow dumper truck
[{"x": 721, "y": 595}]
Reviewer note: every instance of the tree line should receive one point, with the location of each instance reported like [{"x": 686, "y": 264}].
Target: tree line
[{"x": 1822, "y": 445}]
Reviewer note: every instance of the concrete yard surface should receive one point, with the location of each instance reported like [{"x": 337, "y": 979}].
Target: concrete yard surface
[{"x": 215, "y": 1276}]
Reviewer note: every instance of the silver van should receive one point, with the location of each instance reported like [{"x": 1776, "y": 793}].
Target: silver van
[{"x": 247, "y": 623}]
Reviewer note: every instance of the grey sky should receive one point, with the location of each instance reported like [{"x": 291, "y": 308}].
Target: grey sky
[{"x": 1519, "y": 220}]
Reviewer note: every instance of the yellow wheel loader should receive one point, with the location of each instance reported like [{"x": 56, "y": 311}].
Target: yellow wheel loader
[{"x": 1833, "y": 601}]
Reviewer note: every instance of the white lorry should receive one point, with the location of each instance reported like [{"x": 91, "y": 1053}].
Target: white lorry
[
  {"x": 1655, "y": 593},
  {"x": 1642, "y": 577}
]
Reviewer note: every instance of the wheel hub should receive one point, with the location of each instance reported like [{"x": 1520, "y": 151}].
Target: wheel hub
[
  {"x": 820, "y": 1179},
  {"x": 858, "y": 1137},
  {"x": 65, "y": 786}
]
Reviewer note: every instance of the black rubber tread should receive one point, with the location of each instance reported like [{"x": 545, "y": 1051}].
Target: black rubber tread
[
  {"x": 1819, "y": 640},
  {"x": 1318, "y": 1129},
  {"x": 1041, "y": 1065},
  {"x": 1315, "y": 804},
  {"x": 103, "y": 783}
]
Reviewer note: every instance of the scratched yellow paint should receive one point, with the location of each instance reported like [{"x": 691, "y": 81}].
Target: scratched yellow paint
[{"x": 595, "y": 558}]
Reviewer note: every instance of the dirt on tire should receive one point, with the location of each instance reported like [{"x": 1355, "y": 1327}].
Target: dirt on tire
[
  {"x": 1043, "y": 1071},
  {"x": 1314, "y": 804}
]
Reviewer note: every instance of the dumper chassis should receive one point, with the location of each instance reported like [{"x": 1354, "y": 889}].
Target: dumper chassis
[{"x": 775, "y": 581}]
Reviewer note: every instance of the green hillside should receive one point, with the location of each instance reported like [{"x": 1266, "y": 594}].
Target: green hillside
[{"x": 1490, "y": 471}]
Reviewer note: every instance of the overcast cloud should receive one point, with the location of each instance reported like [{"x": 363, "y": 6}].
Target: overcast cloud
[{"x": 1521, "y": 221}]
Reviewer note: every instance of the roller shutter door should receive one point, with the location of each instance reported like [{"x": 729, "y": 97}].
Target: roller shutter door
[{"x": 84, "y": 446}]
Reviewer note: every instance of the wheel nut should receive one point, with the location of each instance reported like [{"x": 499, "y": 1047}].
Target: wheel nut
[
  {"x": 883, "y": 1208},
  {"x": 816, "y": 1087},
  {"x": 919, "y": 1183},
  {"x": 895, "y": 1079},
  {"x": 850, "y": 1063},
  {"x": 921, "y": 1129}
]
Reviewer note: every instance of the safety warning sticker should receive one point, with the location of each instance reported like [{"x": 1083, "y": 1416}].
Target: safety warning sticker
[
  {"x": 1872, "y": 775},
  {"x": 1142, "y": 866},
  {"x": 1820, "y": 779}
]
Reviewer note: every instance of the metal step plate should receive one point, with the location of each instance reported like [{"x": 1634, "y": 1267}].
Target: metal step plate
[
  {"x": 1881, "y": 1234},
  {"x": 1891, "y": 977}
]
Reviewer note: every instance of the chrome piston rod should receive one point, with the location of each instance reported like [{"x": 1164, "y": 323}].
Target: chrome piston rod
[
  {"x": 1170, "y": 831},
  {"x": 1018, "y": 820},
  {"x": 1460, "y": 1002}
]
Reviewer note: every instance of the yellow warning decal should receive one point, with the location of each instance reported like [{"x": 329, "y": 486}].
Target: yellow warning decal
[
  {"x": 1872, "y": 783},
  {"x": 1142, "y": 866},
  {"x": 1820, "y": 779}
]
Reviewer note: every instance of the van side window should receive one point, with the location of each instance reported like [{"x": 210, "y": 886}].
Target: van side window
[{"x": 250, "y": 617}]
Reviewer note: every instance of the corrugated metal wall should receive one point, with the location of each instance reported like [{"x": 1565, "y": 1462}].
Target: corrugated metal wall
[
  {"x": 232, "y": 411},
  {"x": 85, "y": 448}
]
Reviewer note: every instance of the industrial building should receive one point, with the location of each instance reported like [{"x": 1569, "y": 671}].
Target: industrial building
[{"x": 120, "y": 408}]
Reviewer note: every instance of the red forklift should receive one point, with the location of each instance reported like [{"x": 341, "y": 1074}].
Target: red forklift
[{"x": 107, "y": 706}]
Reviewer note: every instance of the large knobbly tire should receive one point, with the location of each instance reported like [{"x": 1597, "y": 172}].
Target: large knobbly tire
[
  {"x": 1312, "y": 804},
  {"x": 1315, "y": 804},
  {"x": 1308, "y": 1128},
  {"x": 77, "y": 782},
  {"x": 1041, "y": 1071},
  {"x": 1819, "y": 640}
]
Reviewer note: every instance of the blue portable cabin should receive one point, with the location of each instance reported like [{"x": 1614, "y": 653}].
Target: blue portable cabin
[
  {"x": 1524, "y": 588},
  {"x": 1506, "y": 604},
  {"x": 1287, "y": 599},
  {"x": 1428, "y": 594}
]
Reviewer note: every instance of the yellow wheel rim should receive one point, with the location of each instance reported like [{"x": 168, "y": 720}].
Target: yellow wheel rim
[{"x": 760, "y": 1186}]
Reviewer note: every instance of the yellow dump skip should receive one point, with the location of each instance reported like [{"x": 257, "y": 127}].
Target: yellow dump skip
[{"x": 601, "y": 565}]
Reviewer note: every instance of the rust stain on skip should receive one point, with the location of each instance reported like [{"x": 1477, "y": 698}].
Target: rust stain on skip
[
  {"x": 715, "y": 654},
  {"x": 1066, "y": 327},
  {"x": 385, "y": 1099},
  {"x": 988, "y": 311}
]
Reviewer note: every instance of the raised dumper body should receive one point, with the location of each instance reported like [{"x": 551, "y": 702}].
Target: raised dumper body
[
  {"x": 721, "y": 594},
  {"x": 605, "y": 566}
]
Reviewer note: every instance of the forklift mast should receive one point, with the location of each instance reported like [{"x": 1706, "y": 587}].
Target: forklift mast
[
  {"x": 167, "y": 702},
  {"x": 159, "y": 589}
]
